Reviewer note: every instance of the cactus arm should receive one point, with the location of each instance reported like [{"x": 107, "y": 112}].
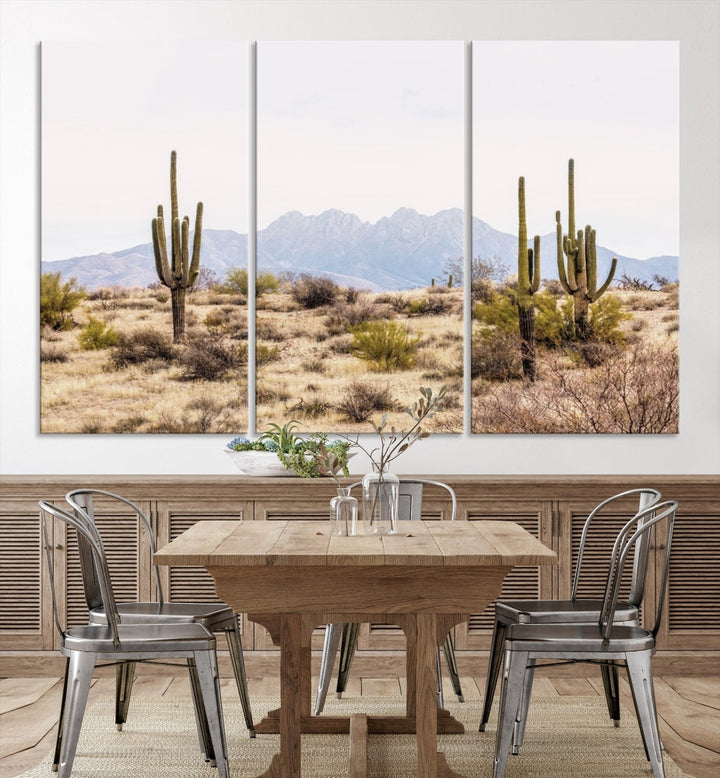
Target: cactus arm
[
  {"x": 596, "y": 295},
  {"x": 536, "y": 264},
  {"x": 571, "y": 197},
  {"x": 590, "y": 259},
  {"x": 177, "y": 256},
  {"x": 523, "y": 259},
  {"x": 561, "y": 257},
  {"x": 160, "y": 250},
  {"x": 184, "y": 250},
  {"x": 195, "y": 263}
]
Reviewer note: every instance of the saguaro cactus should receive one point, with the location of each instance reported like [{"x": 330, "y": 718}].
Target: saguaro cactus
[
  {"x": 528, "y": 284},
  {"x": 180, "y": 271},
  {"x": 580, "y": 248}
]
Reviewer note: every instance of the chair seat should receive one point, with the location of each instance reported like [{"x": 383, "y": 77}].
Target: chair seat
[
  {"x": 140, "y": 638},
  {"x": 576, "y": 638},
  {"x": 209, "y": 614},
  {"x": 577, "y": 611}
]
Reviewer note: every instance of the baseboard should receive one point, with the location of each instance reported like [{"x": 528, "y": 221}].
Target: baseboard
[{"x": 374, "y": 664}]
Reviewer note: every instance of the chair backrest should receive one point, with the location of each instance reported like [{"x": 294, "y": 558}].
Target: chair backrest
[
  {"x": 647, "y": 498},
  {"x": 639, "y": 529},
  {"x": 82, "y": 501},
  {"x": 90, "y": 539},
  {"x": 410, "y": 495}
]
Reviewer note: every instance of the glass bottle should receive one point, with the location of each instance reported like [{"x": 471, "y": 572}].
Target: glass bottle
[
  {"x": 344, "y": 512},
  {"x": 381, "y": 489}
]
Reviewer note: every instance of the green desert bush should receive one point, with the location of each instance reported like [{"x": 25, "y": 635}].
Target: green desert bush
[
  {"x": 237, "y": 282},
  {"x": 386, "y": 345},
  {"x": 58, "y": 301},
  {"x": 96, "y": 334}
]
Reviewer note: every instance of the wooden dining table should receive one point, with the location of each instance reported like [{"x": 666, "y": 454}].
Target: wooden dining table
[{"x": 292, "y": 576}]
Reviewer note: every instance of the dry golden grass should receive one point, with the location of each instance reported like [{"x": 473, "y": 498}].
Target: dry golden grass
[{"x": 308, "y": 378}]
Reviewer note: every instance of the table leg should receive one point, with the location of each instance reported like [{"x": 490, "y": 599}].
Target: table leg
[{"x": 425, "y": 698}]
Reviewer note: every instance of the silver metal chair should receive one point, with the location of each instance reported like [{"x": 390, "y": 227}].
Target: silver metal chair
[
  {"x": 345, "y": 636},
  {"x": 600, "y": 643},
  {"x": 216, "y": 617},
  {"x": 114, "y": 641},
  {"x": 575, "y": 610}
]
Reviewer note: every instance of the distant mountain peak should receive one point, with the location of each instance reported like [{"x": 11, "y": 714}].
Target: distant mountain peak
[{"x": 405, "y": 250}]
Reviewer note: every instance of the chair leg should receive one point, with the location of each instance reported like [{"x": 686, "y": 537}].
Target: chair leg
[
  {"x": 124, "y": 678},
  {"x": 510, "y": 698},
  {"x": 438, "y": 681},
  {"x": 209, "y": 683},
  {"x": 333, "y": 632},
  {"x": 641, "y": 681},
  {"x": 206, "y": 744},
  {"x": 238, "y": 663},
  {"x": 494, "y": 665},
  {"x": 449, "y": 649},
  {"x": 612, "y": 691},
  {"x": 61, "y": 719},
  {"x": 521, "y": 718},
  {"x": 348, "y": 644},
  {"x": 80, "y": 670}
]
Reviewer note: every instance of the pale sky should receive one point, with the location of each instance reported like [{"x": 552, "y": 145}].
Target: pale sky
[
  {"x": 362, "y": 126},
  {"x": 366, "y": 127},
  {"x": 111, "y": 114},
  {"x": 612, "y": 106}
]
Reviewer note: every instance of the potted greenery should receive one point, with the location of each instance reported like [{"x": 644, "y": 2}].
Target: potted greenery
[{"x": 282, "y": 451}]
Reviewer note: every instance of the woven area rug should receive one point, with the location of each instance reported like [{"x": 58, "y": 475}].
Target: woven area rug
[{"x": 566, "y": 737}]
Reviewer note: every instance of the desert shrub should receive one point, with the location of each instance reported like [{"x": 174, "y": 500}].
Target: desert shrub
[
  {"x": 361, "y": 400},
  {"x": 312, "y": 408},
  {"x": 352, "y": 295},
  {"x": 342, "y": 317},
  {"x": 314, "y": 291},
  {"x": 396, "y": 301},
  {"x": 269, "y": 393},
  {"x": 265, "y": 329},
  {"x": 672, "y": 295},
  {"x": 314, "y": 365},
  {"x": 128, "y": 424},
  {"x": 387, "y": 346},
  {"x": 495, "y": 356},
  {"x": 265, "y": 354},
  {"x": 594, "y": 353},
  {"x": 433, "y": 305},
  {"x": 202, "y": 415},
  {"x": 207, "y": 279},
  {"x": 58, "y": 301},
  {"x": 209, "y": 357},
  {"x": 142, "y": 346},
  {"x": 634, "y": 391},
  {"x": 605, "y": 318},
  {"x": 237, "y": 282},
  {"x": 553, "y": 286},
  {"x": 499, "y": 312},
  {"x": 52, "y": 353},
  {"x": 96, "y": 334}
]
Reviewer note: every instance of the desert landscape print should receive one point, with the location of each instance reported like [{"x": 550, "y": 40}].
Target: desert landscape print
[{"x": 356, "y": 295}]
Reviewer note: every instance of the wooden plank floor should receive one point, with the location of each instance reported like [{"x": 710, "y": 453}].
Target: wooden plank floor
[{"x": 689, "y": 710}]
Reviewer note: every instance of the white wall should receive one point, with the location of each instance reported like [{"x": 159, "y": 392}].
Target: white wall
[{"x": 24, "y": 23}]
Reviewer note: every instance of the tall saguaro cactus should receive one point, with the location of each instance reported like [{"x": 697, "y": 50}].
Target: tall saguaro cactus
[
  {"x": 580, "y": 248},
  {"x": 528, "y": 284},
  {"x": 179, "y": 271}
]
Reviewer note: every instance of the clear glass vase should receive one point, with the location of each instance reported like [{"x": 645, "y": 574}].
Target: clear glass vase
[
  {"x": 380, "y": 502},
  {"x": 344, "y": 513}
]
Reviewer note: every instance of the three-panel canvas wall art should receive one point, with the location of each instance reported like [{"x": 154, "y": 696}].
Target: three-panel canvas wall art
[{"x": 238, "y": 235}]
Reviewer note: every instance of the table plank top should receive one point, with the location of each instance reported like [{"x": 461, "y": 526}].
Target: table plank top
[{"x": 311, "y": 543}]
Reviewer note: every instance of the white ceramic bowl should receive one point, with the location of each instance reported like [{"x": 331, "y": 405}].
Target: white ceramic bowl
[{"x": 259, "y": 463}]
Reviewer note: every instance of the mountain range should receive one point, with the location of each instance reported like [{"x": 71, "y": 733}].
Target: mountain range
[{"x": 402, "y": 251}]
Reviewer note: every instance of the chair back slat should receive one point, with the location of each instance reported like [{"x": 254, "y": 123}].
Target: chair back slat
[
  {"x": 646, "y": 498},
  {"x": 82, "y": 525},
  {"x": 639, "y": 529},
  {"x": 410, "y": 496},
  {"x": 83, "y": 500}
]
